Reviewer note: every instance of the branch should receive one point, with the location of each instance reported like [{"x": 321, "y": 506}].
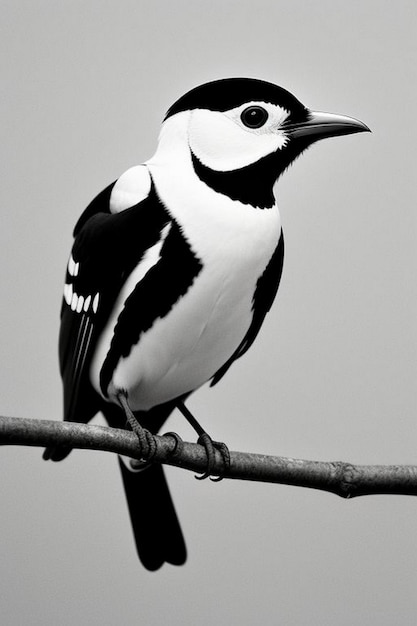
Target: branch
[{"x": 343, "y": 479}]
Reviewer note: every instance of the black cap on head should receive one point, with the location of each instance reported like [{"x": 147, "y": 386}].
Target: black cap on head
[{"x": 228, "y": 93}]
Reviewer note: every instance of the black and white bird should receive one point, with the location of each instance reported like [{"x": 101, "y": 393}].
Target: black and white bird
[{"x": 173, "y": 269}]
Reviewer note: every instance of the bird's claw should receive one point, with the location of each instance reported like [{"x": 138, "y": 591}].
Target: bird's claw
[
  {"x": 178, "y": 443},
  {"x": 140, "y": 464},
  {"x": 210, "y": 447},
  {"x": 147, "y": 442},
  {"x": 224, "y": 451}
]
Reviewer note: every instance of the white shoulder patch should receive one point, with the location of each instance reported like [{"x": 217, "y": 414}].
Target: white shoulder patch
[{"x": 132, "y": 187}]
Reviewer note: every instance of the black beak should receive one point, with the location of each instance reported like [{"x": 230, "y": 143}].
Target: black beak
[{"x": 320, "y": 125}]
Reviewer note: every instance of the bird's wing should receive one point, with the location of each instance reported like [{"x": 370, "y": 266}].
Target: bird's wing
[
  {"x": 107, "y": 247},
  {"x": 265, "y": 292}
]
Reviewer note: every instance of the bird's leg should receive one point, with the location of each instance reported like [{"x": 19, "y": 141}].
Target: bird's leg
[
  {"x": 146, "y": 439},
  {"x": 207, "y": 442}
]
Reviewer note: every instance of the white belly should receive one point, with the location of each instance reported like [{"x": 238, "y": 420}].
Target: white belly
[{"x": 184, "y": 349}]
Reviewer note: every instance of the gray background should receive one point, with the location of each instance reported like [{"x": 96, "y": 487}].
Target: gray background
[{"x": 332, "y": 375}]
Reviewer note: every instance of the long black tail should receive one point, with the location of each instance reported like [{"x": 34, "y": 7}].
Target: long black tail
[
  {"x": 155, "y": 524},
  {"x": 156, "y": 529}
]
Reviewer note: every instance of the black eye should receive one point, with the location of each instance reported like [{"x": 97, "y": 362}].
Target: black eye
[{"x": 254, "y": 117}]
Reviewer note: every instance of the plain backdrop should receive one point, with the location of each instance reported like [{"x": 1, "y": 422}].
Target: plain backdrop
[{"x": 332, "y": 375}]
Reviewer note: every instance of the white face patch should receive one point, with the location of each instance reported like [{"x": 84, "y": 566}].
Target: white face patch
[{"x": 221, "y": 141}]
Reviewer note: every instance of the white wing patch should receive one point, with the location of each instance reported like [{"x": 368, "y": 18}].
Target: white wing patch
[
  {"x": 79, "y": 303},
  {"x": 73, "y": 267},
  {"x": 132, "y": 187},
  {"x": 95, "y": 303},
  {"x": 68, "y": 293}
]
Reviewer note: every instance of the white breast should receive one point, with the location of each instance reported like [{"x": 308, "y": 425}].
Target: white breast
[{"x": 184, "y": 349}]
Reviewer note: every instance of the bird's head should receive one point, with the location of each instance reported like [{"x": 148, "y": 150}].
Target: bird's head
[{"x": 243, "y": 133}]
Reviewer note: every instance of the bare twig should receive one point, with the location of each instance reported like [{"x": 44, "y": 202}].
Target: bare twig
[{"x": 343, "y": 479}]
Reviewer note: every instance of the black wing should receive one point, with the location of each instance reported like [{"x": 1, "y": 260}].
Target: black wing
[
  {"x": 265, "y": 292},
  {"x": 106, "y": 249}
]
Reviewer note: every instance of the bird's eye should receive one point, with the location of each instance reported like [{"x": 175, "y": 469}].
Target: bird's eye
[{"x": 254, "y": 117}]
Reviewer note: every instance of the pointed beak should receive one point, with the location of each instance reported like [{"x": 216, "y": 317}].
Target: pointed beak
[{"x": 320, "y": 125}]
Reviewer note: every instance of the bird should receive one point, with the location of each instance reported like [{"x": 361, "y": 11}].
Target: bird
[{"x": 172, "y": 271}]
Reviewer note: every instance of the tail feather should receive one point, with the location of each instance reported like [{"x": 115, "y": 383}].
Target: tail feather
[
  {"x": 156, "y": 529},
  {"x": 55, "y": 453}
]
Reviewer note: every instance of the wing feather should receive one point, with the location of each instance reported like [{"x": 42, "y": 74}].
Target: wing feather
[{"x": 106, "y": 248}]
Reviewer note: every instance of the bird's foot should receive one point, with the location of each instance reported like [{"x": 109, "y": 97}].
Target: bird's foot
[
  {"x": 147, "y": 441},
  {"x": 178, "y": 443},
  {"x": 209, "y": 445}
]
